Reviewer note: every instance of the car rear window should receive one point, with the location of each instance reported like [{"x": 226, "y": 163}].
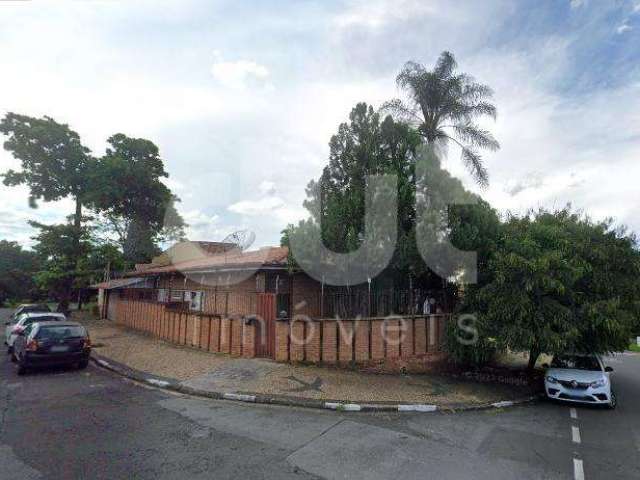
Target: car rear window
[
  {"x": 576, "y": 362},
  {"x": 63, "y": 331},
  {"x": 36, "y": 308},
  {"x": 29, "y": 321}
]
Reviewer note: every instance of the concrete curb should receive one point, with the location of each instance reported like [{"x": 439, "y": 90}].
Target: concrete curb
[{"x": 174, "y": 385}]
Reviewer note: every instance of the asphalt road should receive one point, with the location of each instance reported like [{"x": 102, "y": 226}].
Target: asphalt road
[{"x": 65, "y": 424}]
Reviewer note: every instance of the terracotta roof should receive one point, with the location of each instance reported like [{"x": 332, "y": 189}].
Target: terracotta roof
[
  {"x": 117, "y": 283},
  {"x": 268, "y": 256}
]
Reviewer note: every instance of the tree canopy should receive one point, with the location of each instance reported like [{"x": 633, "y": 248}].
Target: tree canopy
[
  {"x": 444, "y": 105},
  {"x": 17, "y": 268},
  {"x": 558, "y": 281}
]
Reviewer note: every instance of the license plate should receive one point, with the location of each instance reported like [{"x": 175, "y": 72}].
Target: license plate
[{"x": 59, "y": 348}]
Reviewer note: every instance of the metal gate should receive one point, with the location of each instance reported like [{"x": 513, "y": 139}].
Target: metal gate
[{"x": 266, "y": 325}]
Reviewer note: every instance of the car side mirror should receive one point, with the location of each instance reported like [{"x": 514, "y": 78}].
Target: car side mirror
[
  {"x": 608, "y": 369},
  {"x": 545, "y": 365}
]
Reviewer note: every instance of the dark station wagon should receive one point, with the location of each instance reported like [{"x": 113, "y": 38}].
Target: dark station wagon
[{"x": 43, "y": 344}]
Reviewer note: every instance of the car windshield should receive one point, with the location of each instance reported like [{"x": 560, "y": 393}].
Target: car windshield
[
  {"x": 577, "y": 362},
  {"x": 61, "y": 332}
]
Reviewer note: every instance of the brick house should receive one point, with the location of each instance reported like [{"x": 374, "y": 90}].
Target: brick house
[{"x": 212, "y": 296}]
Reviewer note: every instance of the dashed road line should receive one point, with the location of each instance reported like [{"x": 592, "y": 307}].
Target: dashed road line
[
  {"x": 575, "y": 434},
  {"x": 578, "y": 469},
  {"x": 574, "y": 413}
]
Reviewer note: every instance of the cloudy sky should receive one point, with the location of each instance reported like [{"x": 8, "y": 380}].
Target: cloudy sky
[{"x": 243, "y": 98}]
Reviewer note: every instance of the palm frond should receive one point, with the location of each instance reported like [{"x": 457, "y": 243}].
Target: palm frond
[
  {"x": 445, "y": 65},
  {"x": 474, "y": 136},
  {"x": 400, "y": 111},
  {"x": 473, "y": 162}
]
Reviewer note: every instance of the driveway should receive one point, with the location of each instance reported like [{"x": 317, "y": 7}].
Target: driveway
[{"x": 93, "y": 424}]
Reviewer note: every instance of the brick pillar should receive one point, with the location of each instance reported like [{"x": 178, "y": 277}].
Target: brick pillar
[
  {"x": 345, "y": 345},
  {"x": 406, "y": 334},
  {"x": 248, "y": 340},
  {"x": 377, "y": 340},
  {"x": 362, "y": 340},
  {"x": 296, "y": 342},
  {"x": 225, "y": 335},
  {"x": 421, "y": 336},
  {"x": 214, "y": 335},
  {"x": 329, "y": 341},
  {"x": 313, "y": 341},
  {"x": 236, "y": 336},
  {"x": 393, "y": 339},
  {"x": 205, "y": 329},
  {"x": 282, "y": 341}
]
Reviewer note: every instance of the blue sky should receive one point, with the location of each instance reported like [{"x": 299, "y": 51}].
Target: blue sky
[{"x": 243, "y": 97}]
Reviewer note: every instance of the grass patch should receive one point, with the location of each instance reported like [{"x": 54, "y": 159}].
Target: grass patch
[{"x": 634, "y": 347}]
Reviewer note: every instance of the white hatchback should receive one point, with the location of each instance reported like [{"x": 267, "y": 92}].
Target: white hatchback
[
  {"x": 579, "y": 378},
  {"x": 12, "y": 328}
]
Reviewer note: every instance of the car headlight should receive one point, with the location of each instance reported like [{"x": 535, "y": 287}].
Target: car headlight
[
  {"x": 552, "y": 379},
  {"x": 598, "y": 383}
]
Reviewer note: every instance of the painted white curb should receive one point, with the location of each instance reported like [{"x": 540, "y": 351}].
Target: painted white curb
[
  {"x": 239, "y": 396},
  {"x": 502, "y": 404},
  {"x": 347, "y": 407},
  {"x": 158, "y": 383},
  {"x": 417, "y": 408}
]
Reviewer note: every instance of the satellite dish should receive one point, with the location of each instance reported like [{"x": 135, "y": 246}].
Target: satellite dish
[{"x": 243, "y": 239}]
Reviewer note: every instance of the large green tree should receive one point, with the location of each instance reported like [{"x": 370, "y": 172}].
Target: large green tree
[
  {"x": 370, "y": 145},
  {"x": 17, "y": 268},
  {"x": 445, "y": 105},
  {"x": 558, "y": 281},
  {"x": 130, "y": 195},
  {"x": 55, "y": 165}
]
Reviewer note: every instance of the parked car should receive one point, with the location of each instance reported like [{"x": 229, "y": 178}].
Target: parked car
[
  {"x": 580, "y": 378},
  {"x": 47, "y": 343},
  {"x": 12, "y": 328},
  {"x": 29, "y": 308}
]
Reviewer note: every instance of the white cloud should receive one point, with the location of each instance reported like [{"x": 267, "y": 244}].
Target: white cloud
[
  {"x": 267, "y": 187},
  {"x": 237, "y": 74},
  {"x": 577, "y": 3},
  {"x": 263, "y": 206},
  {"x": 625, "y": 27}
]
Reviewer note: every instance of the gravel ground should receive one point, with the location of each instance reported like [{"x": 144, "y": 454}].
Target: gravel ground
[{"x": 221, "y": 372}]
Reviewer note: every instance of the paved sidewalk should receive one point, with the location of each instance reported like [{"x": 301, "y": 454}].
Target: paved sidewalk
[{"x": 219, "y": 372}]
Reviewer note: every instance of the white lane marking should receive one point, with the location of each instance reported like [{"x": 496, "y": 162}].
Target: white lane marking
[
  {"x": 574, "y": 413},
  {"x": 578, "y": 469},
  {"x": 575, "y": 434}
]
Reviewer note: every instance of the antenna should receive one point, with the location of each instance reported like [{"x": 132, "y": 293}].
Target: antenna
[{"x": 243, "y": 239}]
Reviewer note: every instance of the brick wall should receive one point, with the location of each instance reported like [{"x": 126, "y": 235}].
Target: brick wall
[
  {"x": 412, "y": 344},
  {"x": 213, "y": 333},
  {"x": 394, "y": 344}
]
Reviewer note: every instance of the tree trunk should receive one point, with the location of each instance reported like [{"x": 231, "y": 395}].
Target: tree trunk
[
  {"x": 65, "y": 295},
  {"x": 533, "y": 358}
]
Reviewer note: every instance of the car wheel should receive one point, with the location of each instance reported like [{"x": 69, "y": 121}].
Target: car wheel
[
  {"x": 83, "y": 364},
  {"x": 613, "y": 401}
]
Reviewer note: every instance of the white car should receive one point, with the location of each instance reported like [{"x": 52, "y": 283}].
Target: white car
[
  {"x": 25, "y": 319},
  {"x": 580, "y": 378}
]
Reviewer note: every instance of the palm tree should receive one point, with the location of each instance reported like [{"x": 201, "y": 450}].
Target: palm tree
[{"x": 444, "y": 105}]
